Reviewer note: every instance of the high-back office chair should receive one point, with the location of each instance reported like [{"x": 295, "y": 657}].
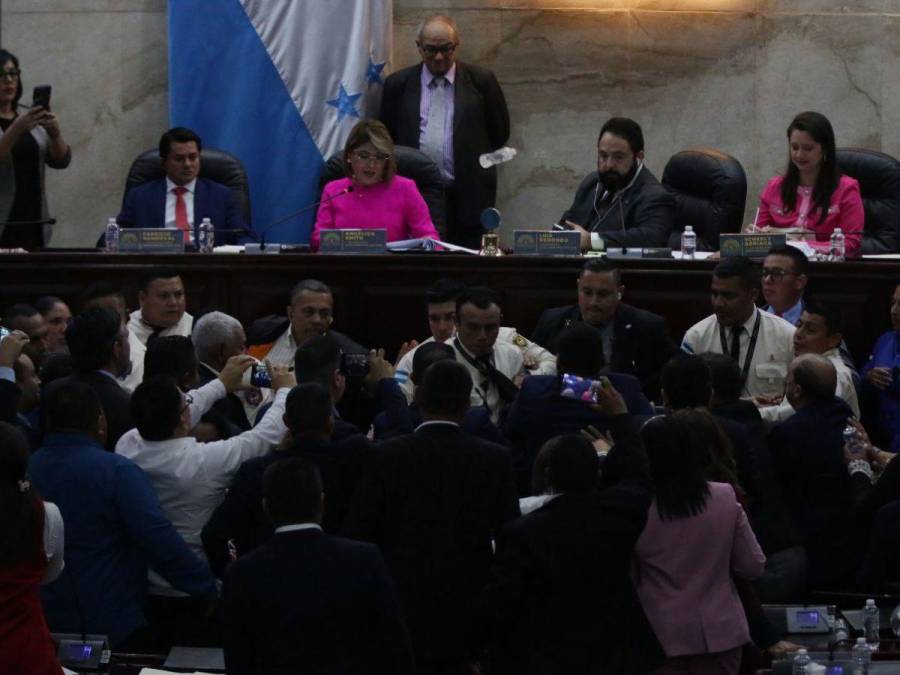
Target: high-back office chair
[
  {"x": 710, "y": 190},
  {"x": 411, "y": 163},
  {"x": 879, "y": 184}
]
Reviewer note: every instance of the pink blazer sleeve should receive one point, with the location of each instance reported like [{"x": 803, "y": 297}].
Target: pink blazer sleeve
[
  {"x": 747, "y": 559},
  {"x": 767, "y": 200},
  {"x": 852, "y": 216},
  {"x": 417, "y": 216},
  {"x": 324, "y": 216}
]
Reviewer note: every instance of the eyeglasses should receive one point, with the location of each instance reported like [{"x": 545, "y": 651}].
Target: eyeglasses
[
  {"x": 776, "y": 273},
  {"x": 433, "y": 50},
  {"x": 10, "y": 74},
  {"x": 365, "y": 156}
]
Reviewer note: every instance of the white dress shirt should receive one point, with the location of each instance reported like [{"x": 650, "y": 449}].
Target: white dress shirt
[
  {"x": 773, "y": 352},
  {"x": 297, "y": 527},
  {"x": 138, "y": 332},
  {"x": 772, "y": 414},
  {"x": 54, "y": 542},
  {"x": 190, "y": 478},
  {"x": 283, "y": 349},
  {"x": 188, "y": 202},
  {"x": 507, "y": 359}
]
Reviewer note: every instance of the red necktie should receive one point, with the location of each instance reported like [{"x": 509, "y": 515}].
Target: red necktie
[{"x": 181, "y": 219}]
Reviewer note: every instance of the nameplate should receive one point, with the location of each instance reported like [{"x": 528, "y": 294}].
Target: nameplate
[
  {"x": 353, "y": 241},
  {"x": 546, "y": 242},
  {"x": 755, "y": 245},
  {"x": 151, "y": 240}
]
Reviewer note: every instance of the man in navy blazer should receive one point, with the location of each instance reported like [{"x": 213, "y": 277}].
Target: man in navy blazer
[
  {"x": 157, "y": 203},
  {"x": 308, "y": 602}
]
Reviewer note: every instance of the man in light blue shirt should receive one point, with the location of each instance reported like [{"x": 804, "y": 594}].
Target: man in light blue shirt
[{"x": 784, "y": 281}]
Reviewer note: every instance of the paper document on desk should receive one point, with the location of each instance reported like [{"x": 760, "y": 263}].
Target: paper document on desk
[
  {"x": 426, "y": 244},
  {"x": 196, "y": 657}
]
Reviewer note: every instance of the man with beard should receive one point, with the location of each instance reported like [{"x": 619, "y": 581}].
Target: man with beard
[{"x": 622, "y": 203}]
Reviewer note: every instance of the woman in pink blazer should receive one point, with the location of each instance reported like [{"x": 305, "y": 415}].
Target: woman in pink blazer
[
  {"x": 813, "y": 194},
  {"x": 697, "y": 536}
]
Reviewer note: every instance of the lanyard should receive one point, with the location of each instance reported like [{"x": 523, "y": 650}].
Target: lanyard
[{"x": 750, "y": 348}]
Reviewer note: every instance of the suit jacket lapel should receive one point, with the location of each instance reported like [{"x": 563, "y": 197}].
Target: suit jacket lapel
[
  {"x": 412, "y": 102},
  {"x": 158, "y": 206},
  {"x": 621, "y": 337}
]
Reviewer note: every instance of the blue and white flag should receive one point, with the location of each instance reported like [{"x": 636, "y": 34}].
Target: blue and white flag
[{"x": 279, "y": 84}]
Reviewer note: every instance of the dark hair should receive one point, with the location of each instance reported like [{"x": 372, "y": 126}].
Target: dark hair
[
  {"x": 580, "y": 351},
  {"x": 626, "y": 128},
  {"x": 444, "y": 290},
  {"x": 817, "y": 126},
  {"x": 719, "y": 463},
  {"x": 9, "y": 56},
  {"x": 741, "y": 267},
  {"x": 481, "y": 297},
  {"x": 21, "y": 511},
  {"x": 308, "y": 286},
  {"x": 156, "y": 408},
  {"x": 798, "y": 257},
  {"x": 425, "y": 355},
  {"x": 834, "y": 321},
  {"x": 91, "y": 337},
  {"x": 686, "y": 381},
  {"x": 317, "y": 359},
  {"x": 817, "y": 377},
  {"x": 99, "y": 289},
  {"x": 56, "y": 365},
  {"x": 70, "y": 405},
  {"x": 601, "y": 266},
  {"x": 47, "y": 302},
  {"x": 293, "y": 492},
  {"x": 724, "y": 376},
  {"x": 177, "y": 135},
  {"x": 151, "y": 274},
  {"x": 17, "y": 311},
  {"x": 568, "y": 463},
  {"x": 308, "y": 409},
  {"x": 172, "y": 355},
  {"x": 445, "y": 389},
  {"x": 676, "y": 466}
]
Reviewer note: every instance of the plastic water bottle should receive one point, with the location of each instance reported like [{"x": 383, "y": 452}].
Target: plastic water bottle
[
  {"x": 852, "y": 440},
  {"x": 802, "y": 663},
  {"x": 489, "y": 159},
  {"x": 112, "y": 236},
  {"x": 895, "y": 621},
  {"x": 688, "y": 243},
  {"x": 838, "y": 249},
  {"x": 861, "y": 656},
  {"x": 207, "y": 237},
  {"x": 871, "y": 624},
  {"x": 840, "y": 634}
]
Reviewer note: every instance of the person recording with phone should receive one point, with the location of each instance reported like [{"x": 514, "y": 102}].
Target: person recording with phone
[
  {"x": 29, "y": 141},
  {"x": 621, "y": 203}
]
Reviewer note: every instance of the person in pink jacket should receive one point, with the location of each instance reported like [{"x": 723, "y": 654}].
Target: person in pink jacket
[
  {"x": 813, "y": 194},
  {"x": 373, "y": 196},
  {"x": 696, "y": 539}
]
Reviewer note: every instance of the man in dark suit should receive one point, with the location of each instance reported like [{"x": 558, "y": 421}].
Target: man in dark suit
[
  {"x": 635, "y": 341},
  {"x": 307, "y": 601},
  {"x": 454, "y": 112},
  {"x": 433, "y": 501},
  {"x": 182, "y": 200},
  {"x": 101, "y": 354},
  {"x": 541, "y": 412},
  {"x": 560, "y": 600}
]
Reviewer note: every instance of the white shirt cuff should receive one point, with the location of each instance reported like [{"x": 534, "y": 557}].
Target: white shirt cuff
[
  {"x": 597, "y": 243},
  {"x": 7, "y": 373}
]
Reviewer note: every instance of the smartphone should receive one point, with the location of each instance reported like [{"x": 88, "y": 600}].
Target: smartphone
[
  {"x": 41, "y": 96},
  {"x": 581, "y": 388},
  {"x": 354, "y": 365},
  {"x": 3, "y": 332},
  {"x": 259, "y": 376}
]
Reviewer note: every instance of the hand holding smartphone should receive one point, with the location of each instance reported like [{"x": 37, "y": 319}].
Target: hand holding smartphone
[{"x": 41, "y": 97}]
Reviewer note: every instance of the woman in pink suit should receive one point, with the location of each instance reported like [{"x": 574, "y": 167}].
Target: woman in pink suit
[
  {"x": 373, "y": 196},
  {"x": 697, "y": 536},
  {"x": 813, "y": 194}
]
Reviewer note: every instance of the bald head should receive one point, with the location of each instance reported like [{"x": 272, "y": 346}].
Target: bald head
[
  {"x": 437, "y": 39},
  {"x": 811, "y": 379}
]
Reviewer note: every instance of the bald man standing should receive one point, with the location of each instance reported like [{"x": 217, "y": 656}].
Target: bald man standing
[{"x": 453, "y": 112}]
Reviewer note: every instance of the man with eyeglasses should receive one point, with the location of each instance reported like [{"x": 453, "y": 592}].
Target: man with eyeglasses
[
  {"x": 784, "y": 282},
  {"x": 621, "y": 203},
  {"x": 454, "y": 112},
  {"x": 181, "y": 200}
]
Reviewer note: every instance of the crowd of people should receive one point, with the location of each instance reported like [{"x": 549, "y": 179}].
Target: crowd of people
[{"x": 286, "y": 492}]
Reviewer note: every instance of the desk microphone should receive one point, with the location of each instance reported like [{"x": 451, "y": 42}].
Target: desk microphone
[
  {"x": 622, "y": 222},
  {"x": 261, "y": 237},
  {"x": 26, "y": 223}
]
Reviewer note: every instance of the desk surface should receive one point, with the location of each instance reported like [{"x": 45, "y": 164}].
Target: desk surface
[{"x": 379, "y": 299}]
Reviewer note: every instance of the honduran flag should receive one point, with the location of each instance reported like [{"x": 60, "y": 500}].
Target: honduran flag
[{"x": 279, "y": 84}]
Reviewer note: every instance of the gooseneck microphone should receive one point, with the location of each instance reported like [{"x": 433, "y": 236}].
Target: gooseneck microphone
[
  {"x": 622, "y": 222},
  {"x": 25, "y": 223},
  {"x": 261, "y": 237}
]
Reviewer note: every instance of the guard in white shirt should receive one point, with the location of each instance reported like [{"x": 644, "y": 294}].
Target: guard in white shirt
[{"x": 760, "y": 343}]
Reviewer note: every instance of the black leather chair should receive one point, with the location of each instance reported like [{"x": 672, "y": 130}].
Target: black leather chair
[
  {"x": 710, "y": 190},
  {"x": 879, "y": 184},
  {"x": 411, "y": 163},
  {"x": 216, "y": 165}
]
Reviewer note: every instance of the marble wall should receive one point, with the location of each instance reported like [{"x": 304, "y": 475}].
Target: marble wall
[{"x": 723, "y": 73}]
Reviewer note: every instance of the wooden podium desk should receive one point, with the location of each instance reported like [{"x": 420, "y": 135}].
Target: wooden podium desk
[{"x": 379, "y": 299}]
